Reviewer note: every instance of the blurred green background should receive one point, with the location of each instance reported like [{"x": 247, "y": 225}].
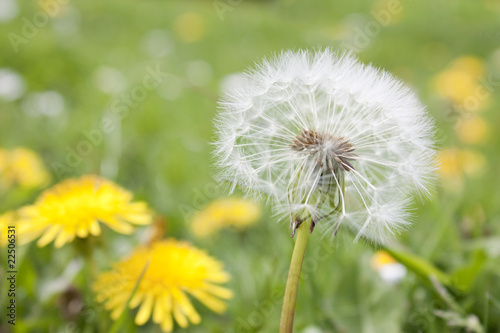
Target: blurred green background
[{"x": 64, "y": 72}]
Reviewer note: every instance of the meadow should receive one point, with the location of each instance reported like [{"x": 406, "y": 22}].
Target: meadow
[{"x": 128, "y": 90}]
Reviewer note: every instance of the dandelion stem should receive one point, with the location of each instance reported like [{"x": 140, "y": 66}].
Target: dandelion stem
[
  {"x": 292, "y": 283},
  {"x": 85, "y": 247}
]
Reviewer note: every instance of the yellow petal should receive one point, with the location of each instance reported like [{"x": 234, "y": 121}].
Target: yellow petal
[
  {"x": 94, "y": 228},
  {"x": 167, "y": 324},
  {"x": 118, "y": 299},
  {"x": 145, "y": 310},
  {"x": 63, "y": 237},
  {"x": 179, "y": 317},
  {"x": 119, "y": 226},
  {"x": 219, "y": 277},
  {"x": 140, "y": 219},
  {"x": 117, "y": 312},
  {"x": 211, "y": 302},
  {"x": 167, "y": 302},
  {"x": 26, "y": 237},
  {"x": 158, "y": 311},
  {"x": 71, "y": 236},
  {"x": 49, "y": 235},
  {"x": 82, "y": 231},
  {"x": 136, "y": 299},
  {"x": 186, "y": 306},
  {"x": 218, "y": 291}
]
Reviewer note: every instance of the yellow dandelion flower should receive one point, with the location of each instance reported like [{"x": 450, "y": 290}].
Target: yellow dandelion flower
[
  {"x": 381, "y": 258},
  {"x": 222, "y": 213},
  {"x": 455, "y": 84},
  {"x": 473, "y": 162},
  {"x": 176, "y": 269},
  {"x": 455, "y": 164},
  {"x": 461, "y": 83},
  {"x": 76, "y": 207},
  {"x": 22, "y": 167},
  {"x": 472, "y": 129},
  {"x": 450, "y": 165},
  {"x": 7, "y": 219},
  {"x": 472, "y": 65}
]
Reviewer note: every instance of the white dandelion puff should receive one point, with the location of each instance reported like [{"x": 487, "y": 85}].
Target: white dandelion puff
[{"x": 328, "y": 138}]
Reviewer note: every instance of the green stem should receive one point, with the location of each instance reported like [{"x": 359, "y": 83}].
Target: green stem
[
  {"x": 418, "y": 265},
  {"x": 292, "y": 283},
  {"x": 85, "y": 247},
  {"x": 90, "y": 272}
]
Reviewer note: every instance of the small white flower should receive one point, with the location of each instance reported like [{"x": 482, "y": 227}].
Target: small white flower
[
  {"x": 387, "y": 267},
  {"x": 392, "y": 273},
  {"x": 326, "y": 137}
]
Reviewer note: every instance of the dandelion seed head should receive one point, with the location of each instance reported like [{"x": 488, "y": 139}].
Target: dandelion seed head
[
  {"x": 327, "y": 152},
  {"x": 324, "y": 136}
]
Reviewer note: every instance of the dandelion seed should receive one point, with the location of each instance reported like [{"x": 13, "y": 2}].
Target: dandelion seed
[
  {"x": 327, "y": 138},
  {"x": 77, "y": 207},
  {"x": 176, "y": 270}
]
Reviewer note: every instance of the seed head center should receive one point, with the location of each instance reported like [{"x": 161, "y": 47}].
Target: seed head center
[{"x": 334, "y": 152}]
